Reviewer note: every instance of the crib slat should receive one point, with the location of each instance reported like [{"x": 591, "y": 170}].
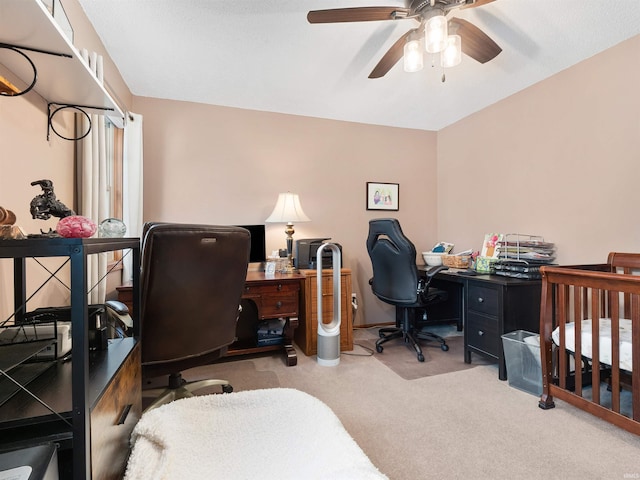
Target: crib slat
[
  {"x": 595, "y": 345},
  {"x": 614, "y": 305},
  {"x": 563, "y": 300},
  {"x": 635, "y": 356},
  {"x": 579, "y": 299}
]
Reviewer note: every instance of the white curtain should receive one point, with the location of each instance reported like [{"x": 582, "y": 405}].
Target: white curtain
[
  {"x": 132, "y": 184},
  {"x": 94, "y": 198}
]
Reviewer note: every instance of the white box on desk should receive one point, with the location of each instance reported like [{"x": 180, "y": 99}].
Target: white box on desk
[{"x": 42, "y": 332}]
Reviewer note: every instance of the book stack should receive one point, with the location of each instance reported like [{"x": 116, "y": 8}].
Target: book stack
[{"x": 271, "y": 332}]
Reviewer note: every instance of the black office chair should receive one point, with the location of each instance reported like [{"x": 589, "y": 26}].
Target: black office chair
[
  {"x": 192, "y": 280},
  {"x": 396, "y": 281}
]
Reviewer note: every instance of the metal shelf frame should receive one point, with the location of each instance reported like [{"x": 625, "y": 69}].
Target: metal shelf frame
[{"x": 77, "y": 250}]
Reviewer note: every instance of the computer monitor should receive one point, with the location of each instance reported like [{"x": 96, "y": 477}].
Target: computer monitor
[{"x": 258, "y": 251}]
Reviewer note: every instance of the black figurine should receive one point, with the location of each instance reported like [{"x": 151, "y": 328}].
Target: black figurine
[{"x": 46, "y": 205}]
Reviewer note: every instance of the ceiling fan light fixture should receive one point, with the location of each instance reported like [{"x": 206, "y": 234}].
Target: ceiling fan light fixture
[
  {"x": 452, "y": 54},
  {"x": 435, "y": 34},
  {"x": 413, "y": 58}
]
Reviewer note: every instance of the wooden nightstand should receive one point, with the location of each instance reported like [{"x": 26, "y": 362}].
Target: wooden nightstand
[{"x": 306, "y": 335}]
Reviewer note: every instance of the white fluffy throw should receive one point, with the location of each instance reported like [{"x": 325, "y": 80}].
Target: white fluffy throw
[{"x": 278, "y": 433}]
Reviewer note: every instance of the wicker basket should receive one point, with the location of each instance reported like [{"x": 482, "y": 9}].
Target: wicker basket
[{"x": 456, "y": 261}]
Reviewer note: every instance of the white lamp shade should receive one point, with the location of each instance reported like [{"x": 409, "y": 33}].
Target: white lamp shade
[
  {"x": 435, "y": 34},
  {"x": 413, "y": 61},
  {"x": 287, "y": 210},
  {"x": 452, "y": 54}
]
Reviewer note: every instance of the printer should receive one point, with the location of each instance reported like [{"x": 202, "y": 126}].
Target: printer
[{"x": 306, "y": 253}]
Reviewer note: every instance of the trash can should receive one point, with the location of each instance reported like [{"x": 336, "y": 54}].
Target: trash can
[{"x": 522, "y": 358}]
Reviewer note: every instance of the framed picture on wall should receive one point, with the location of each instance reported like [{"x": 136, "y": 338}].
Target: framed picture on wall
[{"x": 382, "y": 196}]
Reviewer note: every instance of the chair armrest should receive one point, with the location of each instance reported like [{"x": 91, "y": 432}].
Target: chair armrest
[
  {"x": 118, "y": 307},
  {"x": 434, "y": 270},
  {"x": 118, "y": 313}
]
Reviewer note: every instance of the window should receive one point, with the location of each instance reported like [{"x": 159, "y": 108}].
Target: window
[{"x": 115, "y": 148}]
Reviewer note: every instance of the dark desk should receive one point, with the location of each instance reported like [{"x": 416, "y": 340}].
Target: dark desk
[{"x": 488, "y": 306}]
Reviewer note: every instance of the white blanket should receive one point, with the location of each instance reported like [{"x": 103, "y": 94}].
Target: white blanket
[
  {"x": 275, "y": 433},
  {"x": 605, "y": 340}
]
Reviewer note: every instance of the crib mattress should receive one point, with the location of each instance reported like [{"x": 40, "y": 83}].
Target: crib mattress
[{"x": 605, "y": 340}]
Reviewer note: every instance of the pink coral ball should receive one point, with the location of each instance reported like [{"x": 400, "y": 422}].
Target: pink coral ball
[{"x": 76, "y": 226}]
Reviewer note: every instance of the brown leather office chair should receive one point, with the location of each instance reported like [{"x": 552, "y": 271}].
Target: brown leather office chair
[
  {"x": 396, "y": 281},
  {"x": 192, "y": 280}
]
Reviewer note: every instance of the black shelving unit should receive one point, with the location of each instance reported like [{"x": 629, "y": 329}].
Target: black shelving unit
[{"x": 24, "y": 419}]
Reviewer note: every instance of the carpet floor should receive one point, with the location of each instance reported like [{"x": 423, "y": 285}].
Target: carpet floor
[
  {"x": 460, "y": 425},
  {"x": 401, "y": 358}
]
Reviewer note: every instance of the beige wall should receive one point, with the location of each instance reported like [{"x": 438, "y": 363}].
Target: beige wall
[
  {"x": 223, "y": 165},
  {"x": 560, "y": 159}
]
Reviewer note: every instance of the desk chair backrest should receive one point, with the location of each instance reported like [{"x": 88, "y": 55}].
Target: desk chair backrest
[
  {"x": 192, "y": 279},
  {"x": 393, "y": 257}
]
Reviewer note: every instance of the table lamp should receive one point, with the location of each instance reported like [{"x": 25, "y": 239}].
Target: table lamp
[{"x": 288, "y": 210}]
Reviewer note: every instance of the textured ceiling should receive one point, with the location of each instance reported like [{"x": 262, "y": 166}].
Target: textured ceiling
[{"x": 264, "y": 55}]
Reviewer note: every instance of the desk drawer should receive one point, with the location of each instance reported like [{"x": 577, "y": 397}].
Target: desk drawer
[
  {"x": 483, "y": 299},
  {"x": 280, "y": 305},
  {"x": 274, "y": 299},
  {"x": 271, "y": 288},
  {"x": 482, "y": 333},
  {"x": 113, "y": 419}
]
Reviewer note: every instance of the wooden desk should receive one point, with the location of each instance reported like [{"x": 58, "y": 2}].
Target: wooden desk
[
  {"x": 489, "y": 306},
  {"x": 265, "y": 298}
]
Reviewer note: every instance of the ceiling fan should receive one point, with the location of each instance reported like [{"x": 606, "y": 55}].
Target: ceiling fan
[{"x": 474, "y": 42}]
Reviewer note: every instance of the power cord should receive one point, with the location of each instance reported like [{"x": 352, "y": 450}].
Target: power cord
[
  {"x": 369, "y": 350},
  {"x": 354, "y": 307}
]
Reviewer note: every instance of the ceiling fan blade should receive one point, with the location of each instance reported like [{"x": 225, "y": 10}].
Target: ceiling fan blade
[
  {"x": 475, "y": 42},
  {"x": 357, "y": 14},
  {"x": 395, "y": 53},
  {"x": 477, "y": 3}
]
